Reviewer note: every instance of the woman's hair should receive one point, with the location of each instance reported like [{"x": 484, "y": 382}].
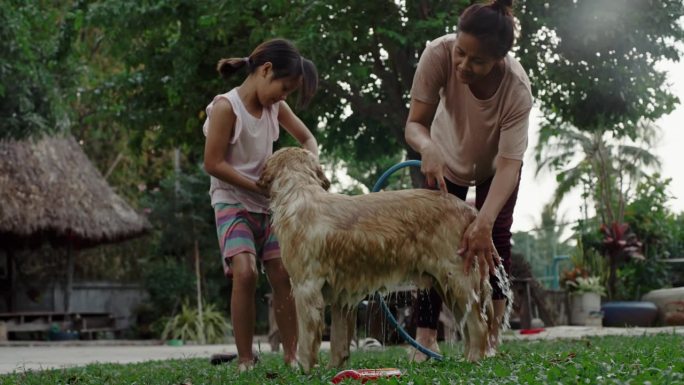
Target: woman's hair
[
  {"x": 492, "y": 24},
  {"x": 286, "y": 62}
]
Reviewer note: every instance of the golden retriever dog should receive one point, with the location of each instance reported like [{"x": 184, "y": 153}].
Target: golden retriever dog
[{"x": 339, "y": 248}]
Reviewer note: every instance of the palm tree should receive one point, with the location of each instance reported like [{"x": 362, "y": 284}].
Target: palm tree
[
  {"x": 611, "y": 168},
  {"x": 612, "y": 165}
]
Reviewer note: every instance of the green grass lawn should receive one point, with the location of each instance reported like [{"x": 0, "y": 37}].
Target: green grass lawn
[{"x": 657, "y": 359}]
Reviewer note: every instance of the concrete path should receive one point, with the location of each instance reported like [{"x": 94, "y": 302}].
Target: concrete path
[
  {"x": 558, "y": 332},
  {"x": 40, "y": 356},
  {"x": 17, "y": 356}
]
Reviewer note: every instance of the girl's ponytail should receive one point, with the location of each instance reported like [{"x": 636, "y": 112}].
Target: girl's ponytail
[{"x": 227, "y": 67}]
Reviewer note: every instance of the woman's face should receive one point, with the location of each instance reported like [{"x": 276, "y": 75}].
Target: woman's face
[{"x": 471, "y": 60}]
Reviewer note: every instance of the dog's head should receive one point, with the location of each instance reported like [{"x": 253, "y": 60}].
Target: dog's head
[{"x": 294, "y": 163}]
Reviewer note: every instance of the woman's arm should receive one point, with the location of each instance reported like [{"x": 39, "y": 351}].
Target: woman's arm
[
  {"x": 417, "y": 136},
  {"x": 293, "y": 125},
  {"x": 221, "y": 126},
  {"x": 477, "y": 239}
]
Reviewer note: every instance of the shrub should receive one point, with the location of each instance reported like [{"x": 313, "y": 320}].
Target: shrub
[{"x": 187, "y": 325}]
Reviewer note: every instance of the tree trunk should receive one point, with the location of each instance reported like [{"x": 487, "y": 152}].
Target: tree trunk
[
  {"x": 200, "y": 315},
  {"x": 417, "y": 177},
  {"x": 612, "y": 275}
]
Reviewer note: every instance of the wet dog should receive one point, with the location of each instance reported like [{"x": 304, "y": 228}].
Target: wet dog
[{"x": 339, "y": 248}]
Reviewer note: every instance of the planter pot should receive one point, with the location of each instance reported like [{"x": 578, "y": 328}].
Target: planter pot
[
  {"x": 582, "y": 305},
  {"x": 629, "y": 313},
  {"x": 174, "y": 342},
  {"x": 67, "y": 335}
]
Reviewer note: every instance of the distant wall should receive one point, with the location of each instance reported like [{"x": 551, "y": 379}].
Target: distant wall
[{"x": 118, "y": 299}]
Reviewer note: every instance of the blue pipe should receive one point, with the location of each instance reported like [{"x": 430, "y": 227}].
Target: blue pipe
[
  {"x": 554, "y": 266},
  {"x": 385, "y": 308}
]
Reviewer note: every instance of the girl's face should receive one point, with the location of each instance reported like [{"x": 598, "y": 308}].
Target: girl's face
[
  {"x": 272, "y": 91},
  {"x": 471, "y": 61}
]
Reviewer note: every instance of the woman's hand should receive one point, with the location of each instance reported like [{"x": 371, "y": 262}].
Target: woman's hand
[
  {"x": 432, "y": 166},
  {"x": 477, "y": 247}
]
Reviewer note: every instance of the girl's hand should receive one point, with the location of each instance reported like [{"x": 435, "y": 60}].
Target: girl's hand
[
  {"x": 477, "y": 247},
  {"x": 432, "y": 166},
  {"x": 261, "y": 191}
]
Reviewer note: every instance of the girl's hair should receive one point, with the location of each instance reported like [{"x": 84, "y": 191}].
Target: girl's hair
[
  {"x": 286, "y": 62},
  {"x": 492, "y": 24}
]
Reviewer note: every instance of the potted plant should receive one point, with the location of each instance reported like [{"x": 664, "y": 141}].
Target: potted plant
[{"x": 585, "y": 298}]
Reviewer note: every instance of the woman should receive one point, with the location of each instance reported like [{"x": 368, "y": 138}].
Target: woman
[{"x": 468, "y": 118}]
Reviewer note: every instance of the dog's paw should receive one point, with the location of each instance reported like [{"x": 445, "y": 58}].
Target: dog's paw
[
  {"x": 245, "y": 367},
  {"x": 414, "y": 355}
]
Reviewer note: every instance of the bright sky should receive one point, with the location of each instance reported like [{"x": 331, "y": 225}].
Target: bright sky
[{"x": 537, "y": 191}]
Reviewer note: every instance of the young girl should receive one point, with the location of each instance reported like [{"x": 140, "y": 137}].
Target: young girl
[
  {"x": 241, "y": 127},
  {"x": 468, "y": 118}
]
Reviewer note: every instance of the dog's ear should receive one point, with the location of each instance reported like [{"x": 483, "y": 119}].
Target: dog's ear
[{"x": 325, "y": 183}]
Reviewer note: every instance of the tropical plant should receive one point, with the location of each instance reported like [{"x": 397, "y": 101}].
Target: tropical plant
[
  {"x": 619, "y": 245},
  {"x": 187, "y": 325},
  {"x": 586, "y": 285},
  {"x": 652, "y": 220}
]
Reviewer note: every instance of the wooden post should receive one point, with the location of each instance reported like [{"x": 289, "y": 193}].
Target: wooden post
[
  {"x": 198, "y": 275},
  {"x": 12, "y": 279},
  {"x": 69, "y": 277}
]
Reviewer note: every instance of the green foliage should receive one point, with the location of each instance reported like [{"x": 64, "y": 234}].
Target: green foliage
[
  {"x": 593, "y": 61},
  {"x": 181, "y": 213},
  {"x": 141, "y": 73},
  {"x": 167, "y": 282},
  {"x": 168, "y": 52},
  {"x": 187, "y": 325},
  {"x": 661, "y": 234},
  {"x": 366, "y": 53},
  {"x": 654, "y": 359},
  {"x": 652, "y": 221},
  {"x": 589, "y": 249},
  {"x": 36, "y": 76},
  {"x": 636, "y": 278},
  {"x": 654, "y": 225},
  {"x": 592, "y": 64}
]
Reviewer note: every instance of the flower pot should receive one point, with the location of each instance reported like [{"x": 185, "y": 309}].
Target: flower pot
[
  {"x": 581, "y": 305},
  {"x": 59, "y": 335},
  {"x": 629, "y": 313},
  {"x": 174, "y": 342}
]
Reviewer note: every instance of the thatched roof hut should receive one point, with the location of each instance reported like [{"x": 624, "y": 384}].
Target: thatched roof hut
[{"x": 49, "y": 190}]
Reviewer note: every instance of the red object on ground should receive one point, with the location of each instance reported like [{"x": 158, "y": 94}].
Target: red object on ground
[
  {"x": 532, "y": 331},
  {"x": 364, "y": 375}
]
